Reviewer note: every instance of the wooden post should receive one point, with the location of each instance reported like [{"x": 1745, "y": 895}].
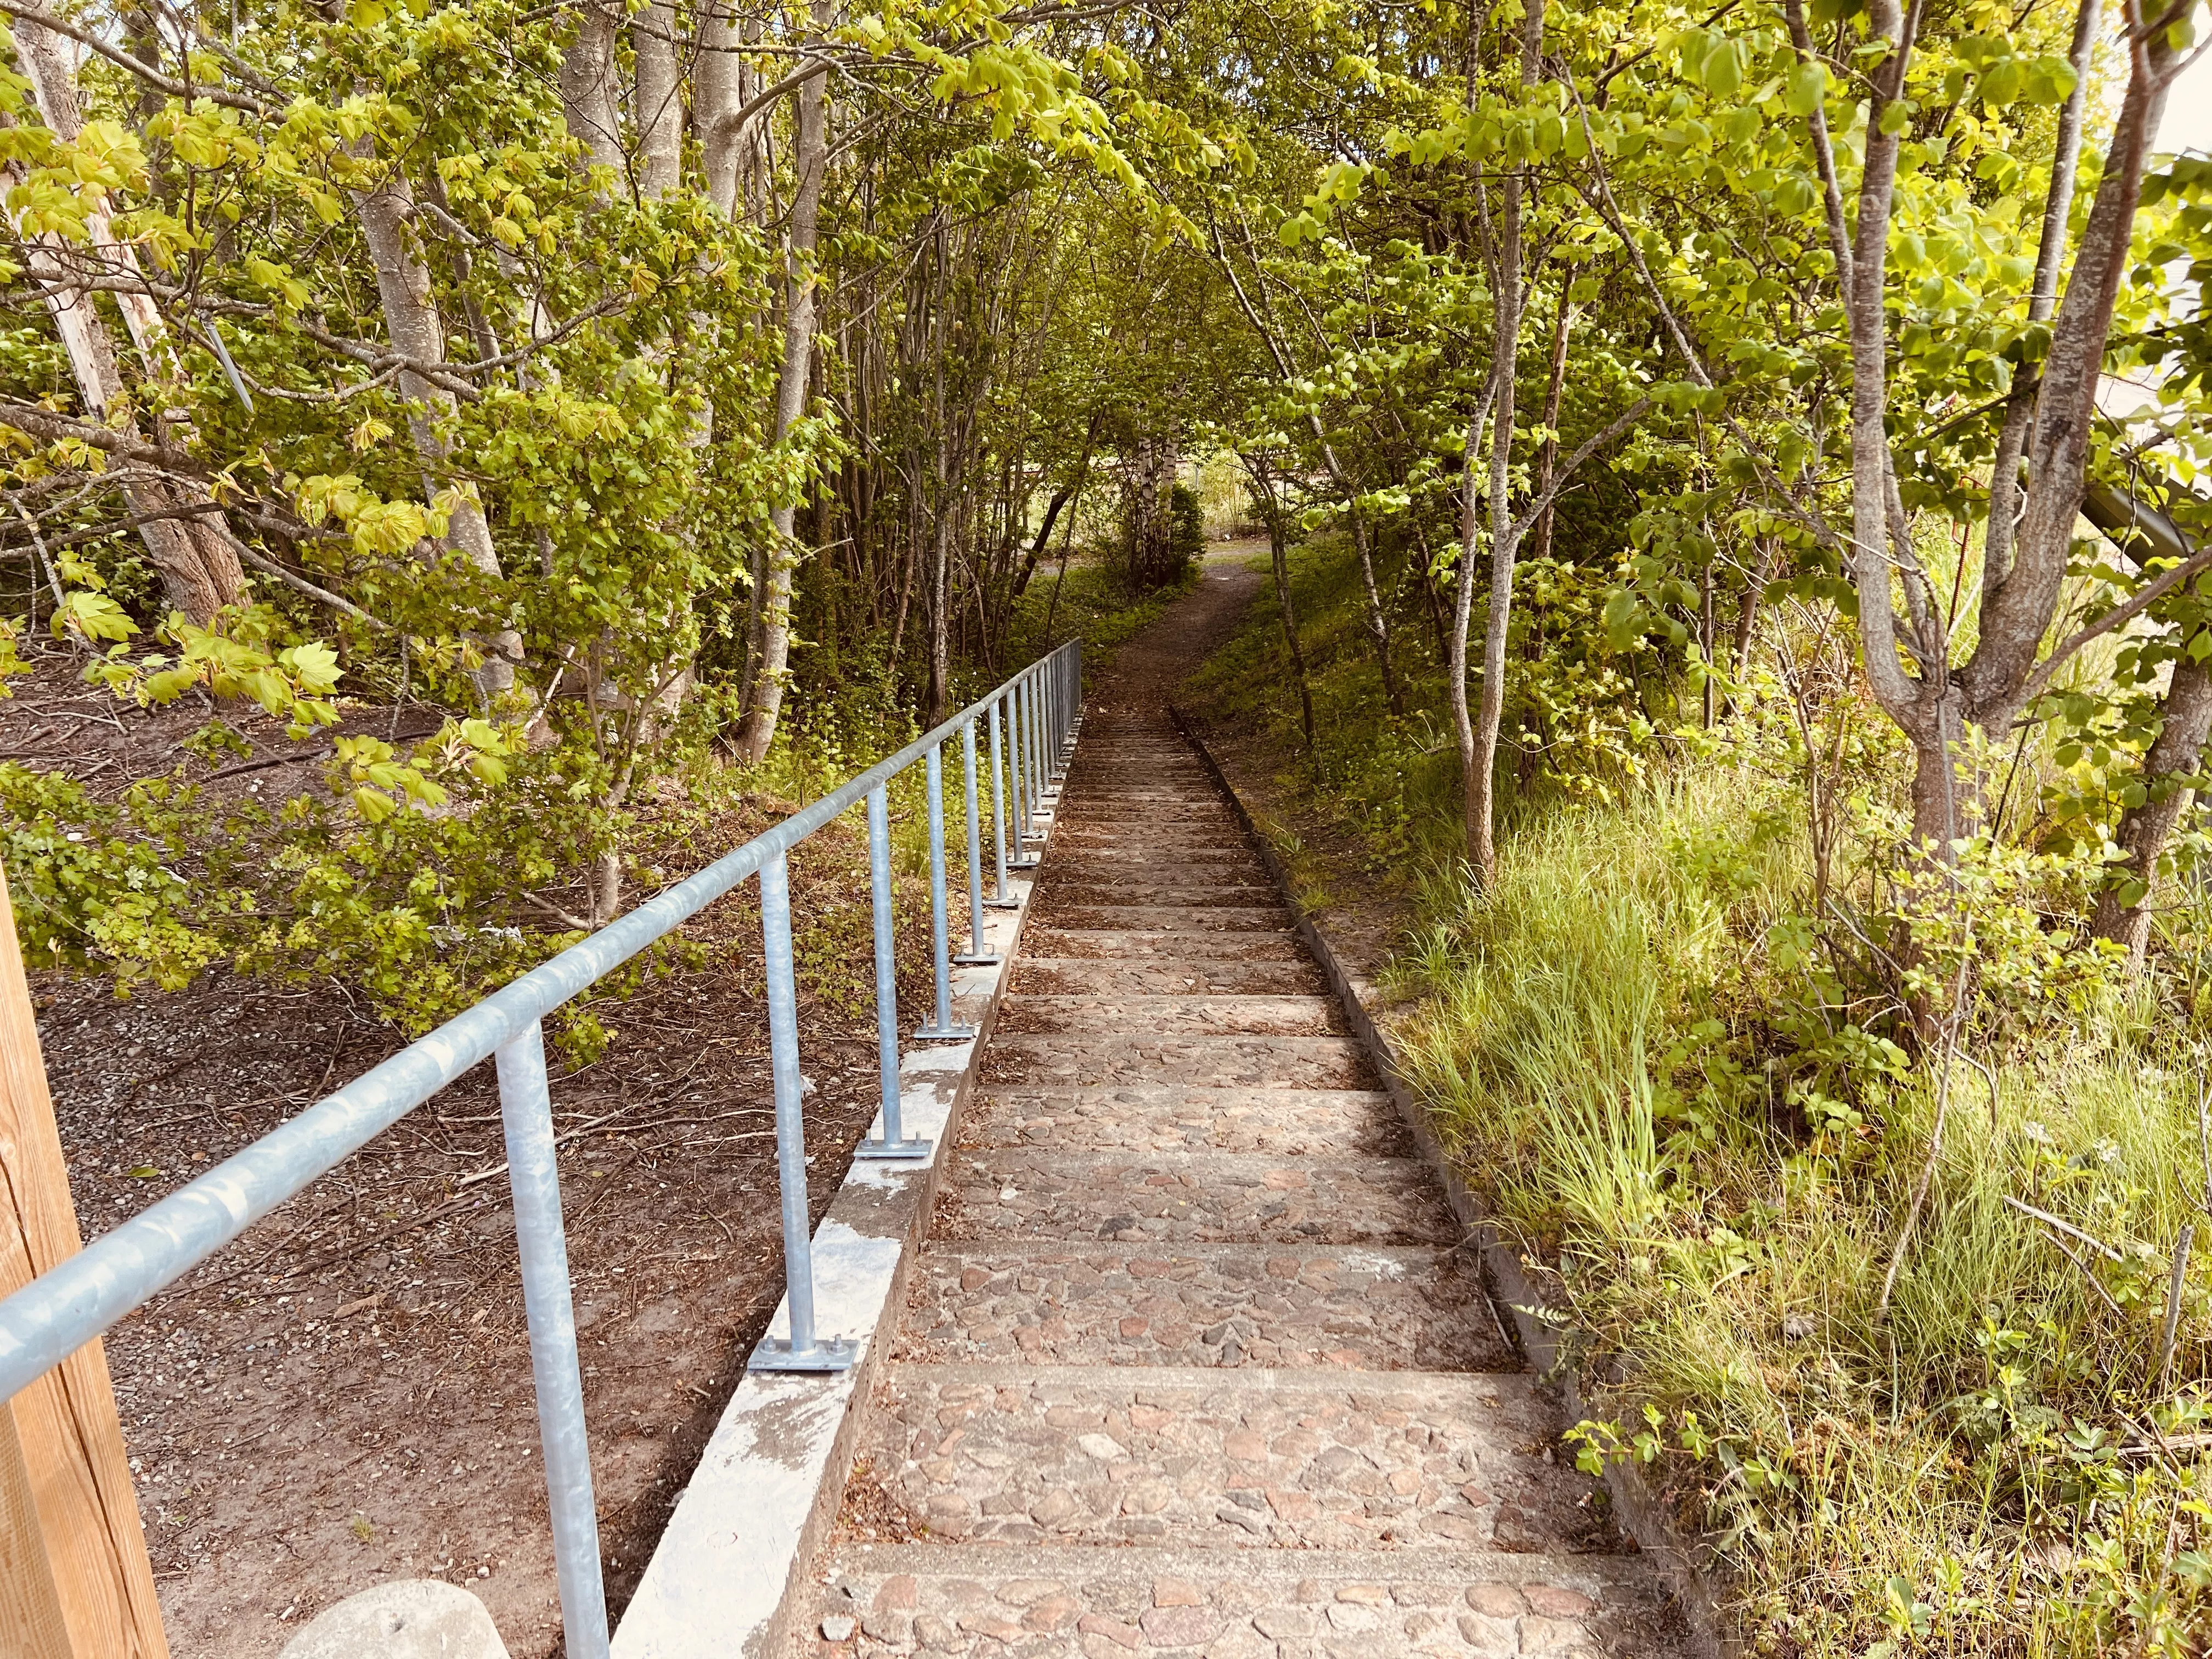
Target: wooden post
[{"x": 75, "y": 1580}]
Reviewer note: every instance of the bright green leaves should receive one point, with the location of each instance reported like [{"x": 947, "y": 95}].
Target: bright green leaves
[
  {"x": 1712, "y": 60},
  {"x": 1337, "y": 186},
  {"x": 1992, "y": 70},
  {"x": 380, "y": 528},
  {"x": 1806, "y": 89},
  {"x": 95, "y": 616}
]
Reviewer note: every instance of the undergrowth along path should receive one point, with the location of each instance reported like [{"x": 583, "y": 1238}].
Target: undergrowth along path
[{"x": 1191, "y": 1362}]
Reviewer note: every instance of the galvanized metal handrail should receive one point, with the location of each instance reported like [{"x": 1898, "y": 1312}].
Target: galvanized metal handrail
[{"x": 1031, "y": 720}]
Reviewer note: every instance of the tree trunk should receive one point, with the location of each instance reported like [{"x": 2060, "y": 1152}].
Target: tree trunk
[
  {"x": 412, "y": 319},
  {"x": 590, "y": 96},
  {"x": 199, "y": 568},
  {"x": 1509, "y": 299},
  {"x": 1548, "y": 458},
  {"x": 659, "y": 101},
  {"x": 2177, "y": 752},
  {"x": 1271, "y": 513},
  {"x": 809, "y": 159},
  {"x": 720, "y": 88},
  {"x": 1378, "y": 621}
]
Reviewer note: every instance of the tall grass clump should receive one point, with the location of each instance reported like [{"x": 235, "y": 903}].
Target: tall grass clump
[
  {"x": 1613, "y": 1048},
  {"x": 1869, "y": 1186}
]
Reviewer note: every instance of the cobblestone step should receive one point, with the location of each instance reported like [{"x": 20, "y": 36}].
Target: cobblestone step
[
  {"x": 1071, "y": 976},
  {"x": 1162, "y": 918},
  {"x": 1276, "y": 1460},
  {"x": 1235, "y": 1015},
  {"x": 1363, "y": 1309},
  {"x": 1166, "y": 1117},
  {"x": 1193, "y": 888},
  {"x": 1054, "y": 1602},
  {"x": 1177, "y": 1198},
  {"x": 1216, "y": 1062},
  {"x": 1102, "y": 853},
  {"x": 1159, "y": 945}
]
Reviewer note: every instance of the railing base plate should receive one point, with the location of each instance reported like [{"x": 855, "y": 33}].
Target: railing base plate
[
  {"x": 972, "y": 961},
  {"x": 956, "y": 1032},
  {"x": 910, "y": 1147},
  {"x": 828, "y": 1355}
]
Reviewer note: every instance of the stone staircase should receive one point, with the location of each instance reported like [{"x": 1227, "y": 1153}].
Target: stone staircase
[{"x": 1191, "y": 1363}]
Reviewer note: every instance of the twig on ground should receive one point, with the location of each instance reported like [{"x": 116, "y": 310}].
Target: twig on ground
[
  {"x": 500, "y": 1168},
  {"x": 2066, "y": 1227},
  {"x": 2173, "y": 1306},
  {"x": 2089, "y": 1273}
]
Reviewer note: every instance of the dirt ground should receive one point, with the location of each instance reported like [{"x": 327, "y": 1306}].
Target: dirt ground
[{"x": 345, "y": 1395}]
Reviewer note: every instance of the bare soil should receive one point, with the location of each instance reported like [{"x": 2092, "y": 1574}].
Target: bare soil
[{"x": 345, "y": 1395}]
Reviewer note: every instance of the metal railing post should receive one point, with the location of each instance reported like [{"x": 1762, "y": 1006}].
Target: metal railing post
[
  {"x": 533, "y": 1174},
  {"x": 978, "y": 954},
  {"x": 941, "y": 1026},
  {"x": 1003, "y": 900},
  {"x": 1035, "y": 804},
  {"x": 894, "y": 1141},
  {"x": 803, "y": 1351},
  {"x": 1018, "y": 780}
]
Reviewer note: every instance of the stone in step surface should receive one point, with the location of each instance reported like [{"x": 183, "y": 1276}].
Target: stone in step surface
[
  {"x": 1263, "y": 1460},
  {"x": 1070, "y": 976},
  {"x": 1170, "y": 1197},
  {"x": 1195, "y": 1305},
  {"x": 1214, "y": 1063},
  {"x": 925, "y": 1599},
  {"x": 1158, "y": 944},
  {"x": 1188, "y": 1014},
  {"x": 1168, "y": 1118}
]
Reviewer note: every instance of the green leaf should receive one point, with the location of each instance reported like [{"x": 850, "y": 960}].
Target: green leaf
[{"x": 1807, "y": 87}]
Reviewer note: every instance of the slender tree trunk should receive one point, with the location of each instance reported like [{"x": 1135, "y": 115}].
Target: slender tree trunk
[
  {"x": 1548, "y": 458},
  {"x": 810, "y": 158},
  {"x": 416, "y": 331},
  {"x": 2177, "y": 752},
  {"x": 2043, "y": 300},
  {"x": 199, "y": 568},
  {"x": 1509, "y": 299},
  {"x": 1470, "y": 533},
  {"x": 1378, "y": 620}
]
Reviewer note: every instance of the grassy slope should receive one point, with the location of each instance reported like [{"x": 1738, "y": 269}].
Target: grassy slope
[{"x": 1610, "y": 1043}]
